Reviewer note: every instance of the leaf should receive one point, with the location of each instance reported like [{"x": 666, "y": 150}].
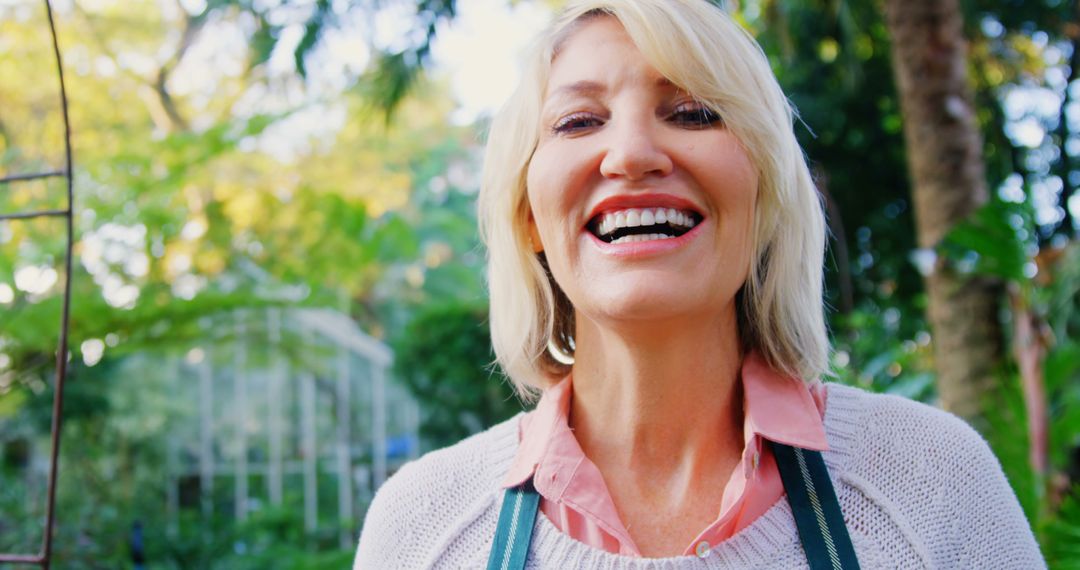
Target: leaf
[
  {"x": 386, "y": 85},
  {"x": 999, "y": 234},
  {"x": 262, "y": 42},
  {"x": 913, "y": 387},
  {"x": 313, "y": 30},
  {"x": 1062, "y": 366}
]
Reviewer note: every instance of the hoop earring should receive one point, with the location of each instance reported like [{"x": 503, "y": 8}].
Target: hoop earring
[{"x": 557, "y": 353}]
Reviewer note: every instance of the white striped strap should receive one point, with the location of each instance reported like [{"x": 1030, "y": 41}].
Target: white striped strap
[
  {"x": 817, "y": 513},
  {"x": 514, "y": 533}
]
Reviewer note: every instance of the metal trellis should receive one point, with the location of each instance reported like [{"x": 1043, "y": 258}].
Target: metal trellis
[{"x": 43, "y": 557}]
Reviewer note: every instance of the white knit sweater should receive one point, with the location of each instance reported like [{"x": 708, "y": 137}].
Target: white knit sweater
[{"x": 918, "y": 488}]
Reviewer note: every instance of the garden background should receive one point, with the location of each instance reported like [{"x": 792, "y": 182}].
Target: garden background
[{"x": 277, "y": 293}]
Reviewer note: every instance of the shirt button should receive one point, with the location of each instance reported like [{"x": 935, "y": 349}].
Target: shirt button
[{"x": 702, "y": 549}]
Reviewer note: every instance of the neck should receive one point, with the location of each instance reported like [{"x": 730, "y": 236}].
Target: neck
[{"x": 661, "y": 397}]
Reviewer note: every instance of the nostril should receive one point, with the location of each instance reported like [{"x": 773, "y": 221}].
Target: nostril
[{"x": 636, "y": 157}]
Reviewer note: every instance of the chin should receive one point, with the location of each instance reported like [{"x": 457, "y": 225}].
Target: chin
[{"x": 651, "y": 302}]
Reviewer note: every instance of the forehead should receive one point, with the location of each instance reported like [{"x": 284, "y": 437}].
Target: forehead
[{"x": 596, "y": 55}]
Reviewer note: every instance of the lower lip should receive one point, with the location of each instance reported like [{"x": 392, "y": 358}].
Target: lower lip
[{"x": 645, "y": 248}]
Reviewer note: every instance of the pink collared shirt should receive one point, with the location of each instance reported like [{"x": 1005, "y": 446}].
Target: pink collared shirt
[{"x": 576, "y": 500}]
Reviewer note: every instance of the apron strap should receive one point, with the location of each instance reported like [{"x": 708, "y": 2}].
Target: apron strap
[
  {"x": 816, "y": 510},
  {"x": 514, "y": 533}
]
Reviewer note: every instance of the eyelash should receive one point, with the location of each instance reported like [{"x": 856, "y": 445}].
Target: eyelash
[
  {"x": 572, "y": 123},
  {"x": 694, "y": 116}
]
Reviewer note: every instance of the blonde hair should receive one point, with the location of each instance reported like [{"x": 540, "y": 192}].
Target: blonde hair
[{"x": 701, "y": 50}]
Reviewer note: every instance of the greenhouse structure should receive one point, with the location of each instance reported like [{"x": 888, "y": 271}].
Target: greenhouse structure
[
  {"x": 297, "y": 401},
  {"x": 249, "y": 409}
]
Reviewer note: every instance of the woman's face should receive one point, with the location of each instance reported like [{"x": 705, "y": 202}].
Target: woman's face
[{"x": 642, "y": 200}]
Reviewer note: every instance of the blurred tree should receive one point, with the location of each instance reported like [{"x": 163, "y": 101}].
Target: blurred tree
[
  {"x": 444, "y": 355},
  {"x": 832, "y": 58},
  {"x": 945, "y": 156},
  {"x": 204, "y": 183}
]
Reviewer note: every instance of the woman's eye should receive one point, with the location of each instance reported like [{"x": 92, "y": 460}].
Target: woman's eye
[
  {"x": 575, "y": 123},
  {"x": 694, "y": 116}
]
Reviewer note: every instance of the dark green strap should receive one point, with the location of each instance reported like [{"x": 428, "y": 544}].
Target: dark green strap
[
  {"x": 514, "y": 533},
  {"x": 817, "y": 512}
]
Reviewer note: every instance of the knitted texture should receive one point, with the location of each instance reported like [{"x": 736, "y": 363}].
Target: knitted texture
[{"x": 918, "y": 488}]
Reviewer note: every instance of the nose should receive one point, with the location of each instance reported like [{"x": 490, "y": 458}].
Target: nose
[{"x": 635, "y": 152}]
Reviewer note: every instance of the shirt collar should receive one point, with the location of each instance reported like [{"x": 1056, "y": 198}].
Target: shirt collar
[
  {"x": 780, "y": 408},
  {"x": 536, "y": 429}
]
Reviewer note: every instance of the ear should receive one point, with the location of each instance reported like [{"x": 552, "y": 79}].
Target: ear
[{"x": 534, "y": 235}]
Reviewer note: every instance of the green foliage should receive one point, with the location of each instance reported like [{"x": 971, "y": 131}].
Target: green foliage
[
  {"x": 833, "y": 61},
  {"x": 444, "y": 356},
  {"x": 391, "y": 79},
  {"x": 997, "y": 239},
  {"x": 395, "y": 72},
  {"x": 312, "y": 31},
  {"x": 1000, "y": 239},
  {"x": 197, "y": 219},
  {"x": 271, "y": 537},
  {"x": 1062, "y": 545},
  {"x": 870, "y": 354}
]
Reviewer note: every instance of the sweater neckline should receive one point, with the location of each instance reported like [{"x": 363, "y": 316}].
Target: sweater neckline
[{"x": 753, "y": 546}]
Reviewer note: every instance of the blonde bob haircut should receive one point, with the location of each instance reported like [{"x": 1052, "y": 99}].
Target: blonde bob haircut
[{"x": 702, "y": 51}]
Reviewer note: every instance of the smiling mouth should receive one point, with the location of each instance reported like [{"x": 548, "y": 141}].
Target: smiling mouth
[{"x": 642, "y": 224}]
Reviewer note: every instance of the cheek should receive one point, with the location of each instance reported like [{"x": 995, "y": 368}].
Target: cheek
[
  {"x": 737, "y": 197},
  {"x": 543, "y": 194},
  {"x": 736, "y": 174},
  {"x": 742, "y": 215},
  {"x": 549, "y": 180},
  {"x": 554, "y": 179},
  {"x": 540, "y": 215}
]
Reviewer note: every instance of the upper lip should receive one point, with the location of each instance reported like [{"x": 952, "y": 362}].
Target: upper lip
[{"x": 652, "y": 200}]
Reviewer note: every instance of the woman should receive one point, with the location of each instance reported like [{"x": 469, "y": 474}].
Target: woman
[{"x": 656, "y": 246}]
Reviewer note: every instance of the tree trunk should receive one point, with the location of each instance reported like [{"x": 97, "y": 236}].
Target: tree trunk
[{"x": 944, "y": 153}]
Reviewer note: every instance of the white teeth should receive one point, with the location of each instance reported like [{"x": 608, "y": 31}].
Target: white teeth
[
  {"x": 636, "y": 217},
  {"x": 641, "y": 237}
]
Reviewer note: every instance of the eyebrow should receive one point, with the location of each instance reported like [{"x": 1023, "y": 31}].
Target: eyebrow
[
  {"x": 584, "y": 87},
  {"x": 589, "y": 88}
]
